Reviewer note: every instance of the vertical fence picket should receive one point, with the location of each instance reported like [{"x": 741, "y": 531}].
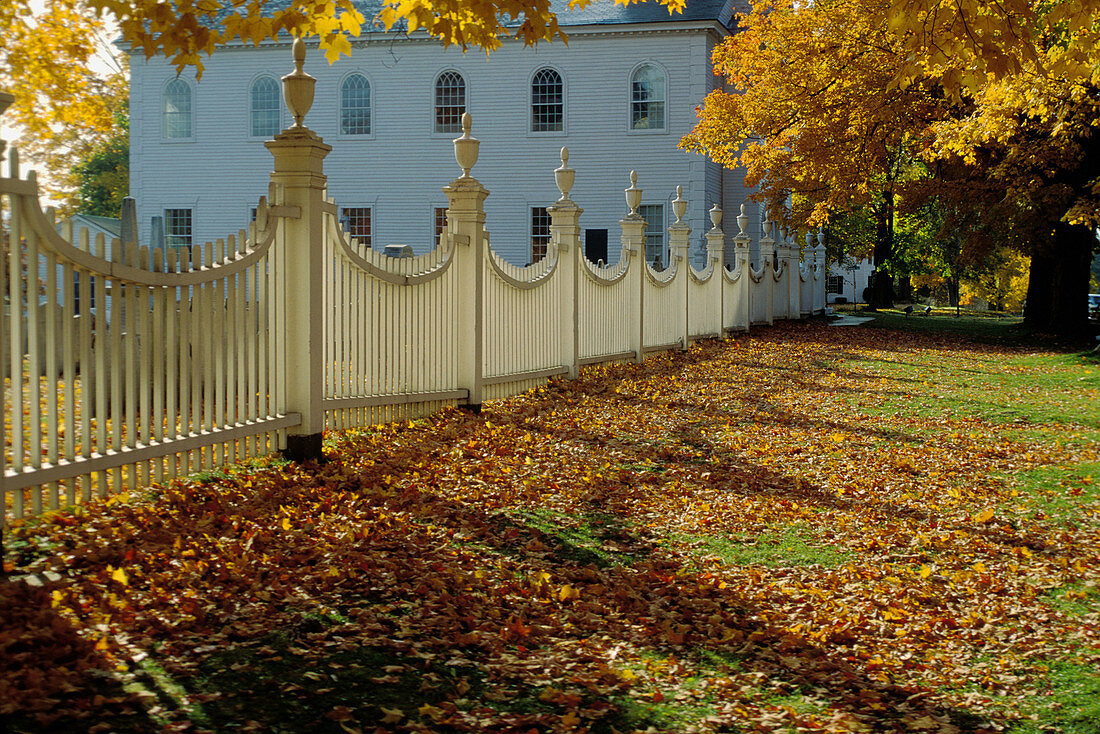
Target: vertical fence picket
[
  {"x": 130, "y": 311},
  {"x": 145, "y": 348},
  {"x": 218, "y": 367},
  {"x": 161, "y": 348},
  {"x": 53, "y": 333},
  {"x": 101, "y": 340},
  {"x": 88, "y": 365},
  {"x": 34, "y": 362},
  {"x": 70, "y": 355}
]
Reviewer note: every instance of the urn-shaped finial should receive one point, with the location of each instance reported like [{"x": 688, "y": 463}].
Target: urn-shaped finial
[
  {"x": 809, "y": 240},
  {"x": 298, "y": 87},
  {"x": 633, "y": 194},
  {"x": 821, "y": 236},
  {"x": 715, "y": 216},
  {"x": 743, "y": 221},
  {"x": 679, "y": 204},
  {"x": 767, "y": 227},
  {"x": 466, "y": 147},
  {"x": 564, "y": 175}
]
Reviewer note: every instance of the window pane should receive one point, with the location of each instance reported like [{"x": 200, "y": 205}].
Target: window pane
[
  {"x": 440, "y": 222},
  {"x": 177, "y": 227},
  {"x": 540, "y": 233},
  {"x": 355, "y": 106},
  {"x": 177, "y": 109},
  {"x": 547, "y": 102},
  {"x": 654, "y": 215},
  {"x": 265, "y": 108},
  {"x": 450, "y": 102},
  {"x": 647, "y": 99},
  {"x": 356, "y": 223}
]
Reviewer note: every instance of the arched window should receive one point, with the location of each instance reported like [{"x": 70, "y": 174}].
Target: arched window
[
  {"x": 450, "y": 102},
  {"x": 547, "y": 102},
  {"x": 355, "y": 106},
  {"x": 647, "y": 99},
  {"x": 177, "y": 109},
  {"x": 264, "y": 117}
]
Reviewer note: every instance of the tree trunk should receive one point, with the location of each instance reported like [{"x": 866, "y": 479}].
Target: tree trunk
[
  {"x": 882, "y": 286},
  {"x": 905, "y": 288},
  {"x": 1058, "y": 283}
]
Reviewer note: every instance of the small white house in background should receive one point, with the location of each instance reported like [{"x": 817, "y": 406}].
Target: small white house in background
[
  {"x": 847, "y": 280},
  {"x": 109, "y": 227},
  {"x": 619, "y": 96}
]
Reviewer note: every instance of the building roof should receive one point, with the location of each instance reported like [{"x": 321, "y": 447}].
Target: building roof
[{"x": 109, "y": 225}]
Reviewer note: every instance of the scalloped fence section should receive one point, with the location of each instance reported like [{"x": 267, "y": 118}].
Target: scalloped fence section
[{"x": 126, "y": 365}]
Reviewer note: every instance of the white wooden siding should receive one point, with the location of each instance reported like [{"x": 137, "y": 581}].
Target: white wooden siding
[{"x": 221, "y": 170}]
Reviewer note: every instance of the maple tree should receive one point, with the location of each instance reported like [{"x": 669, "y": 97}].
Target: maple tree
[
  {"x": 889, "y": 104},
  {"x": 64, "y": 108},
  {"x": 968, "y": 42},
  {"x": 836, "y": 132}
]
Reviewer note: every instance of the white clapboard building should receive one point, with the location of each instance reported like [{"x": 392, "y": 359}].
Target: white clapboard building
[{"x": 620, "y": 96}]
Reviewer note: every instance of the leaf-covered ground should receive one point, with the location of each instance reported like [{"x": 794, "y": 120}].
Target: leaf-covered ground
[{"x": 809, "y": 528}]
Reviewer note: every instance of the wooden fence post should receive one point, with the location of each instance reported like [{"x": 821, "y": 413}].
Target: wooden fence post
[
  {"x": 716, "y": 254},
  {"x": 633, "y": 239},
  {"x": 466, "y": 227},
  {"x": 678, "y": 236},
  {"x": 742, "y": 245},
  {"x": 565, "y": 233},
  {"x": 821, "y": 273},
  {"x": 794, "y": 289},
  {"x": 767, "y": 283},
  {"x": 299, "y": 176}
]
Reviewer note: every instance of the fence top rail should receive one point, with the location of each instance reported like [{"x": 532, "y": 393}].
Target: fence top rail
[
  {"x": 378, "y": 265},
  {"x": 757, "y": 274},
  {"x": 525, "y": 277},
  {"x": 30, "y": 208},
  {"x": 732, "y": 276},
  {"x": 607, "y": 274},
  {"x": 663, "y": 278},
  {"x": 704, "y": 275}
]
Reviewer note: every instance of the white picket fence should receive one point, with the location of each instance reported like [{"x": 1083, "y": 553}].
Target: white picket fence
[{"x": 126, "y": 365}]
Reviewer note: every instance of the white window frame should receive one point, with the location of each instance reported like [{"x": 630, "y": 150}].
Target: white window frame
[
  {"x": 630, "y": 101},
  {"x": 435, "y": 132},
  {"x": 167, "y": 226},
  {"x": 280, "y": 120},
  {"x": 531, "y": 232},
  {"x": 434, "y": 239},
  {"x": 531, "y": 132},
  {"x": 662, "y": 228},
  {"x": 371, "y": 102},
  {"x": 370, "y": 208},
  {"x": 190, "y": 137}
]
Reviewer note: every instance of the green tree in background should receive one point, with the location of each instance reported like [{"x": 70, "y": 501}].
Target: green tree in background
[{"x": 103, "y": 175}]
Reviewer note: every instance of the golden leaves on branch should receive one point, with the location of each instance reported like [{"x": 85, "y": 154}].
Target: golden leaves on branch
[{"x": 183, "y": 30}]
